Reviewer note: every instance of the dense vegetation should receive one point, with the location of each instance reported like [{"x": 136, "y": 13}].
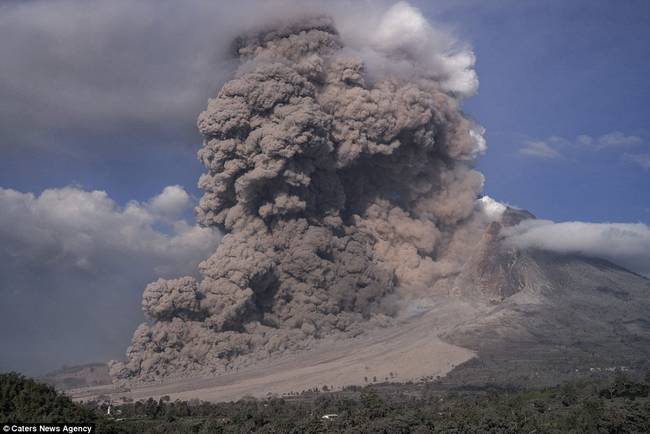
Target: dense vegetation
[
  {"x": 25, "y": 400},
  {"x": 616, "y": 405}
]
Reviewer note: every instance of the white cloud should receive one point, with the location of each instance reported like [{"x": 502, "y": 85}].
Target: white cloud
[
  {"x": 404, "y": 30},
  {"x": 539, "y": 149},
  {"x": 67, "y": 248},
  {"x": 617, "y": 138},
  {"x": 491, "y": 208},
  {"x": 477, "y": 134},
  {"x": 171, "y": 203},
  {"x": 585, "y": 140},
  {"x": 626, "y": 244},
  {"x": 642, "y": 160},
  {"x": 72, "y": 226},
  {"x": 553, "y": 146}
]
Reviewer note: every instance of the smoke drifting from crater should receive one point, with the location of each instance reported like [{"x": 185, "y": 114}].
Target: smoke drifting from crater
[{"x": 339, "y": 175}]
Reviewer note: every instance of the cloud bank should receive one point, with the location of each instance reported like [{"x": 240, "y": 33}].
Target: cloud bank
[
  {"x": 539, "y": 149},
  {"x": 642, "y": 160},
  {"x": 77, "y": 75},
  {"x": 610, "y": 140},
  {"x": 70, "y": 265},
  {"x": 625, "y": 244},
  {"x": 555, "y": 147}
]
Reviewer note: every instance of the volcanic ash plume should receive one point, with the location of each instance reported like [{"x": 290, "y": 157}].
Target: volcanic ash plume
[{"x": 334, "y": 188}]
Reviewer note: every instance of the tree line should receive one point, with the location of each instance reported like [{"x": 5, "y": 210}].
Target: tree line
[{"x": 614, "y": 405}]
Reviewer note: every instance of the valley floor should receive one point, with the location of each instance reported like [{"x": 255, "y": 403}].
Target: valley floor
[{"x": 408, "y": 351}]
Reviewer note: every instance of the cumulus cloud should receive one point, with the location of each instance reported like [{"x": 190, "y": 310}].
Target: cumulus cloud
[
  {"x": 539, "y": 149},
  {"x": 554, "y": 147},
  {"x": 71, "y": 262},
  {"x": 610, "y": 140},
  {"x": 492, "y": 209},
  {"x": 626, "y": 244},
  {"x": 404, "y": 31},
  {"x": 642, "y": 160},
  {"x": 171, "y": 203}
]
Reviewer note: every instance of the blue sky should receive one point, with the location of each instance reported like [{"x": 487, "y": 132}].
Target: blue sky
[
  {"x": 563, "y": 69},
  {"x": 104, "y": 96}
]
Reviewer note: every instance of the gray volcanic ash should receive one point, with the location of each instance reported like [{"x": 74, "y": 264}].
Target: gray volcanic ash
[{"x": 336, "y": 186}]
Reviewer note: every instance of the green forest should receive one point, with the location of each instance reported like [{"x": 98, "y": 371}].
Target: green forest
[{"x": 607, "y": 405}]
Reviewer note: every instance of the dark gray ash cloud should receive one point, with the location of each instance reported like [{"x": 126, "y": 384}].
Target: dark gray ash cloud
[{"x": 340, "y": 173}]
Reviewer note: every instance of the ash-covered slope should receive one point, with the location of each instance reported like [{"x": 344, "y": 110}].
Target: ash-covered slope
[
  {"x": 554, "y": 314},
  {"x": 490, "y": 273}
]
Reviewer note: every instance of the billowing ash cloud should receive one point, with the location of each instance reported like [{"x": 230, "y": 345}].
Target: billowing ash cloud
[
  {"x": 336, "y": 182},
  {"x": 626, "y": 244}
]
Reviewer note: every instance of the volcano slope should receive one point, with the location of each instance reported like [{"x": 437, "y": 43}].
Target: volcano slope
[
  {"x": 555, "y": 315},
  {"x": 511, "y": 317}
]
